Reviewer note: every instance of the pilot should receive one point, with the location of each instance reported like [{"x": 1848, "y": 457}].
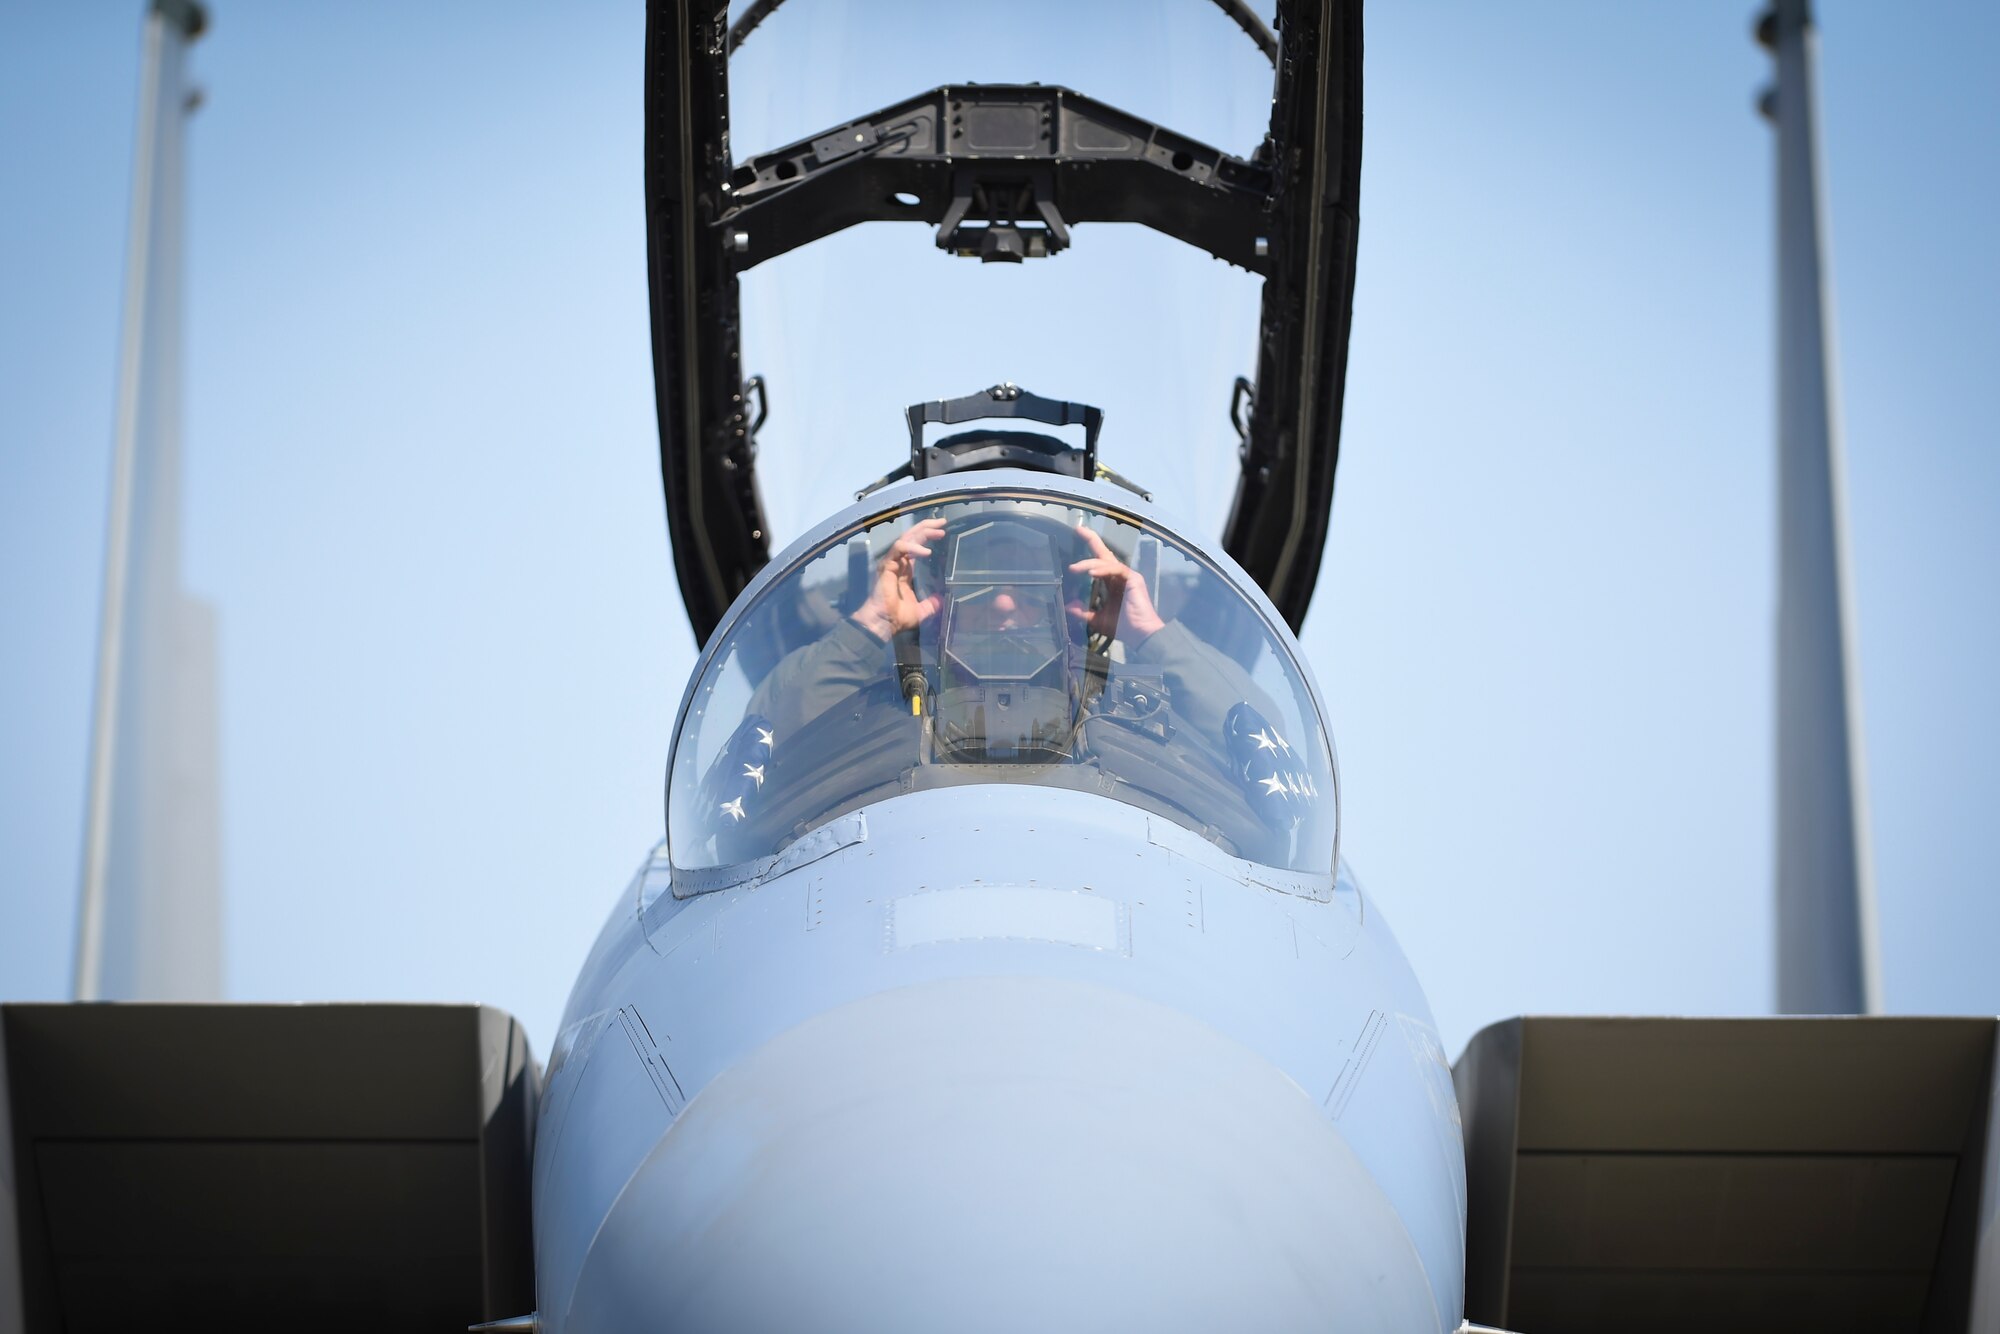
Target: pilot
[
  {"x": 1203, "y": 684},
  {"x": 851, "y": 657}
]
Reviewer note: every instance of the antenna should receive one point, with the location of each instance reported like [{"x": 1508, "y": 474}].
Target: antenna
[
  {"x": 149, "y": 921},
  {"x": 1827, "y": 958}
]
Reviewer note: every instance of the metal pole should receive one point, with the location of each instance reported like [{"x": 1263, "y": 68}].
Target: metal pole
[
  {"x": 169, "y": 27},
  {"x": 1826, "y": 929}
]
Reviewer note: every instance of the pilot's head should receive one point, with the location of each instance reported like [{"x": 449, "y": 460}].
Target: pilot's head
[
  {"x": 1006, "y": 572},
  {"x": 1001, "y": 607},
  {"x": 1003, "y": 684}
]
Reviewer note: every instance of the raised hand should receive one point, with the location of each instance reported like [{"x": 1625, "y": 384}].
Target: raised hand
[
  {"x": 893, "y": 605},
  {"x": 1126, "y": 604}
]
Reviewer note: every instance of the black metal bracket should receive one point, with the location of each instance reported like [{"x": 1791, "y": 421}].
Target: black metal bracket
[
  {"x": 978, "y": 449},
  {"x": 1003, "y": 221},
  {"x": 1000, "y": 402},
  {"x": 973, "y": 451},
  {"x": 1002, "y": 171},
  {"x": 1243, "y": 393}
]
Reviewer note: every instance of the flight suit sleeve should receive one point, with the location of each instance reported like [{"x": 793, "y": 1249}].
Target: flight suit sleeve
[
  {"x": 810, "y": 680},
  {"x": 1204, "y": 683}
]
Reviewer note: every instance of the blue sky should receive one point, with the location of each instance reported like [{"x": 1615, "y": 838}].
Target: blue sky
[{"x": 423, "y": 485}]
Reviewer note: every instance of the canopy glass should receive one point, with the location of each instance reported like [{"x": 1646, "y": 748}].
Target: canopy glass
[
  {"x": 1002, "y": 636},
  {"x": 848, "y": 331}
]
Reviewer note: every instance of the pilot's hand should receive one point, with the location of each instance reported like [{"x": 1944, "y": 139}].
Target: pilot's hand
[
  {"x": 893, "y": 605},
  {"x": 1126, "y": 604}
]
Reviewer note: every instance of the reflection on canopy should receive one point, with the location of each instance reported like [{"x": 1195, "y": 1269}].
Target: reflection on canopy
[{"x": 1002, "y": 638}]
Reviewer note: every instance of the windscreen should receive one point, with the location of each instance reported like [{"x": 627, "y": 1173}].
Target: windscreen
[
  {"x": 848, "y": 331},
  {"x": 1002, "y": 638}
]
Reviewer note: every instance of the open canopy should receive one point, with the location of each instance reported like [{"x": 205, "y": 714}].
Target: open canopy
[{"x": 1002, "y": 174}]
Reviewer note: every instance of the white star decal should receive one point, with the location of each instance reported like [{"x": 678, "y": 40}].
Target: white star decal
[
  {"x": 1273, "y": 786},
  {"x": 755, "y": 772},
  {"x": 764, "y": 738},
  {"x": 1311, "y": 791},
  {"x": 733, "y": 808},
  {"x": 1292, "y": 782},
  {"x": 1263, "y": 741},
  {"x": 1281, "y": 741}
]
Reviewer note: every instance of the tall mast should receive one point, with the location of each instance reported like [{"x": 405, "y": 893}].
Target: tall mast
[
  {"x": 149, "y": 920},
  {"x": 1827, "y": 960}
]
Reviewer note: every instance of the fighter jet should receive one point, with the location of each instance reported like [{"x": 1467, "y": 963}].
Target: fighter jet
[{"x": 999, "y": 965}]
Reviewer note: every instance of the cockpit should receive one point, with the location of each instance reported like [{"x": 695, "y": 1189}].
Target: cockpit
[{"x": 1001, "y": 635}]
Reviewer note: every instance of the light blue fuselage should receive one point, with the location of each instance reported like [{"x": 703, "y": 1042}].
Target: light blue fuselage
[{"x": 995, "y": 1057}]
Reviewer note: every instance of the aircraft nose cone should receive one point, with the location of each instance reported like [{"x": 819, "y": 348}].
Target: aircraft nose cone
[{"x": 1001, "y": 1153}]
